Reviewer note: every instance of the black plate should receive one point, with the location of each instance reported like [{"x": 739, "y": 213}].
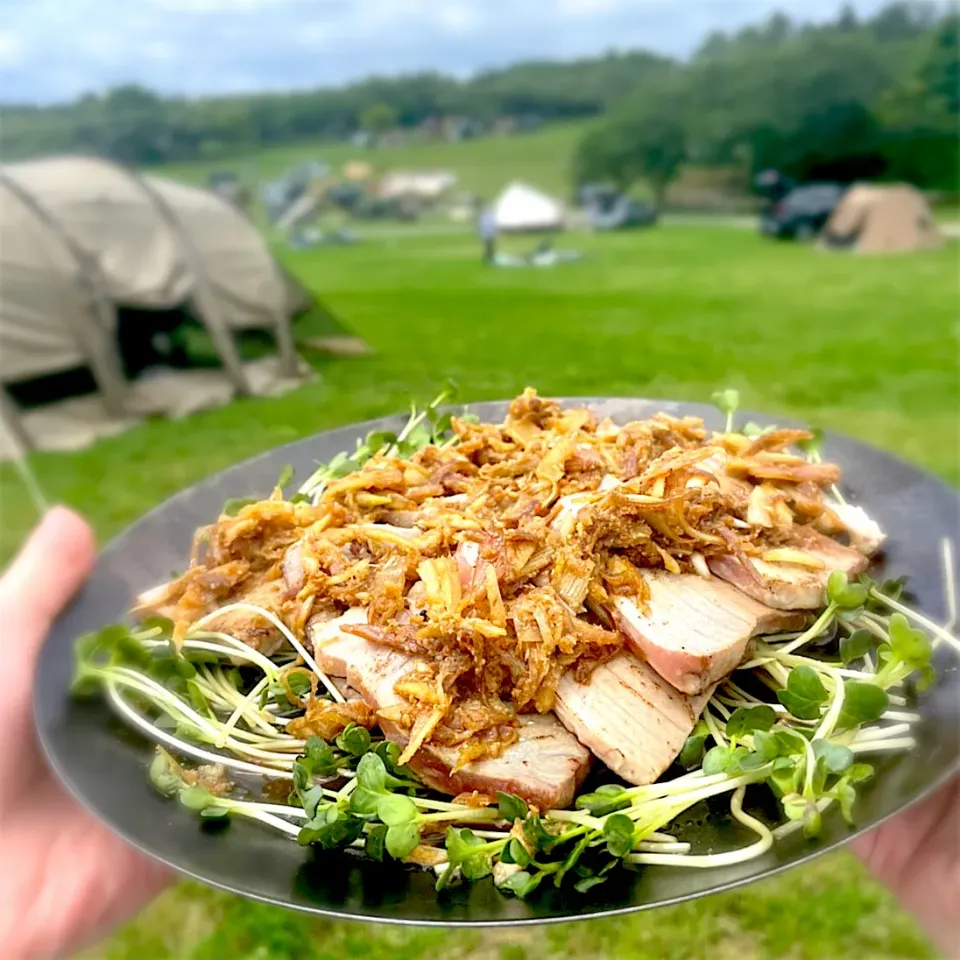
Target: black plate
[{"x": 103, "y": 765}]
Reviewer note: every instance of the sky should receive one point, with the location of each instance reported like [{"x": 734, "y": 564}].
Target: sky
[{"x": 55, "y": 50}]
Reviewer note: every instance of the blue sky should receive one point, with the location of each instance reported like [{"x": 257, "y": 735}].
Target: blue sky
[{"x": 56, "y": 49}]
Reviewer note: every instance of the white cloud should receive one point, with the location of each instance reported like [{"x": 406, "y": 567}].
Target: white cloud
[
  {"x": 11, "y": 49},
  {"x": 587, "y": 8},
  {"x": 458, "y": 18},
  {"x": 219, "y": 46}
]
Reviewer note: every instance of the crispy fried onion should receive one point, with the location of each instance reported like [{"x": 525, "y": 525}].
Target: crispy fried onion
[{"x": 493, "y": 563}]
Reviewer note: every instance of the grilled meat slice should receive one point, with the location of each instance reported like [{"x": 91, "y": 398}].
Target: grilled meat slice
[
  {"x": 693, "y": 631},
  {"x": 791, "y": 586},
  {"x": 629, "y": 717},
  {"x": 545, "y": 766}
]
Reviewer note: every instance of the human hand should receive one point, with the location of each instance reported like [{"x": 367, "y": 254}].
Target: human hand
[
  {"x": 66, "y": 879},
  {"x": 916, "y": 855}
]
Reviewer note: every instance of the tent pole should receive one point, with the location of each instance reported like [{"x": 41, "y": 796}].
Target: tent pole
[
  {"x": 204, "y": 302},
  {"x": 99, "y": 344},
  {"x": 10, "y": 417},
  {"x": 286, "y": 350}
]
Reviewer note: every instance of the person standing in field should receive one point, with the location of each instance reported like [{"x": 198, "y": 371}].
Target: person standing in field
[{"x": 487, "y": 229}]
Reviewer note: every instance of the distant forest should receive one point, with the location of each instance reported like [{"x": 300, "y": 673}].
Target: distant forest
[{"x": 885, "y": 87}]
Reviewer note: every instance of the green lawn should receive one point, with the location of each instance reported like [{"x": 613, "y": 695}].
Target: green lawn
[{"x": 866, "y": 346}]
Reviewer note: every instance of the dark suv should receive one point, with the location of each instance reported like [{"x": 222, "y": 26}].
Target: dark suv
[{"x": 801, "y": 213}]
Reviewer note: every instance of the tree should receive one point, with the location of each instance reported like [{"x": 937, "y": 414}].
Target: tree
[
  {"x": 378, "y": 118},
  {"x": 644, "y": 140}
]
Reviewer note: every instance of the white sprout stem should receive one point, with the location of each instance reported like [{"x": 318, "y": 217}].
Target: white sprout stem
[
  {"x": 465, "y": 814},
  {"x": 579, "y": 817},
  {"x": 683, "y": 800},
  {"x": 293, "y": 641},
  {"x": 809, "y": 767},
  {"x": 278, "y": 809},
  {"x": 271, "y": 821},
  {"x": 714, "y": 728},
  {"x": 949, "y": 582},
  {"x": 162, "y": 697},
  {"x": 829, "y": 722},
  {"x": 196, "y": 640},
  {"x": 881, "y": 733},
  {"x": 716, "y": 859},
  {"x": 242, "y": 709},
  {"x": 812, "y": 632},
  {"x": 645, "y": 846},
  {"x": 881, "y": 746},
  {"x": 182, "y": 746}
]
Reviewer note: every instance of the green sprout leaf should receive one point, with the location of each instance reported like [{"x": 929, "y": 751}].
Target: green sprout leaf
[
  {"x": 618, "y": 830},
  {"x": 164, "y": 774},
  {"x": 746, "y": 720},
  {"x": 844, "y": 595},
  {"x": 727, "y": 402},
  {"x": 235, "y": 504},
  {"x": 375, "y": 842},
  {"x": 468, "y": 852},
  {"x": 836, "y": 758},
  {"x": 537, "y": 836},
  {"x": 331, "y": 827},
  {"x": 692, "y": 752},
  {"x": 196, "y": 798},
  {"x": 354, "y": 740},
  {"x": 511, "y": 807},
  {"x": 402, "y": 839},
  {"x": 396, "y": 810},
  {"x": 286, "y": 476},
  {"x": 911, "y": 647},
  {"x": 521, "y": 884},
  {"x": 723, "y": 759},
  {"x": 814, "y": 445},
  {"x": 319, "y": 758},
  {"x": 804, "y": 693},
  {"x": 606, "y": 799},
  {"x": 516, "y": 852},
  {"x": 856, "y": 646},
  {"x": 753, "y": 429},
  {"x": 862, "y": 703}
]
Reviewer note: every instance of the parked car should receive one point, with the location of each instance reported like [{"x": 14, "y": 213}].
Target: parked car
[{"x": 802, "y": 212}]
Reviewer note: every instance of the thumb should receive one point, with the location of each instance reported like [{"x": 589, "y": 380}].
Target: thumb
[
  {"x": 43, "y": 577},
  {"x": 51, "y": 566}
]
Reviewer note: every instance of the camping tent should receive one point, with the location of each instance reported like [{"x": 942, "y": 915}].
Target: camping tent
[
  {"x": 81, "y": 237},
  {"x": 882, "y": 218},
  {"x": 521, "y": 207},
  {"x": 428, "y": 185}
]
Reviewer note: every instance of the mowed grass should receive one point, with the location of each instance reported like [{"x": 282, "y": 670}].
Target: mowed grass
[{"x": 866, "y": 346}]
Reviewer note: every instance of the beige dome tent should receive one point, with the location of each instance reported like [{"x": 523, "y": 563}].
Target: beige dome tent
[
  {"x": 80, "y": 237},
  {"x": 873, "y": 218}
]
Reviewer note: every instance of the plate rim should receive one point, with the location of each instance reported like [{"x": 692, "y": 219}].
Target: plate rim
[{"x": 77, "y": 792}]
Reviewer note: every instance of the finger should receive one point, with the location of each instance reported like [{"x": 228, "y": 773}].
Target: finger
[{"x": 51, "y": 566}]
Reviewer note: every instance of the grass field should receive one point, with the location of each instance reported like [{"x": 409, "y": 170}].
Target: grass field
[{"x": 865, "y": 346}]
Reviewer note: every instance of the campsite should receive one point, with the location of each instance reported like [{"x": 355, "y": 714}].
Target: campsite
[{"x": 187, "y": 282}]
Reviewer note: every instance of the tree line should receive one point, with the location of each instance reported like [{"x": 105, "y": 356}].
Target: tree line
[
  {"x": 849, "y": 100},
  {"x": 852, "y": 97}
]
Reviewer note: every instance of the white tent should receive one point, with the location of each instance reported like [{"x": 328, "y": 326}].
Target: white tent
[
  {"x": 81, "y": 237},
  {"x": 521, "y": 207}
]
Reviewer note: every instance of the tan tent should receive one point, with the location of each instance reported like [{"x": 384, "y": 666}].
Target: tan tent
[
  {"x": 874, "y": 218},
  {"x": 80, "y": 237}
]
